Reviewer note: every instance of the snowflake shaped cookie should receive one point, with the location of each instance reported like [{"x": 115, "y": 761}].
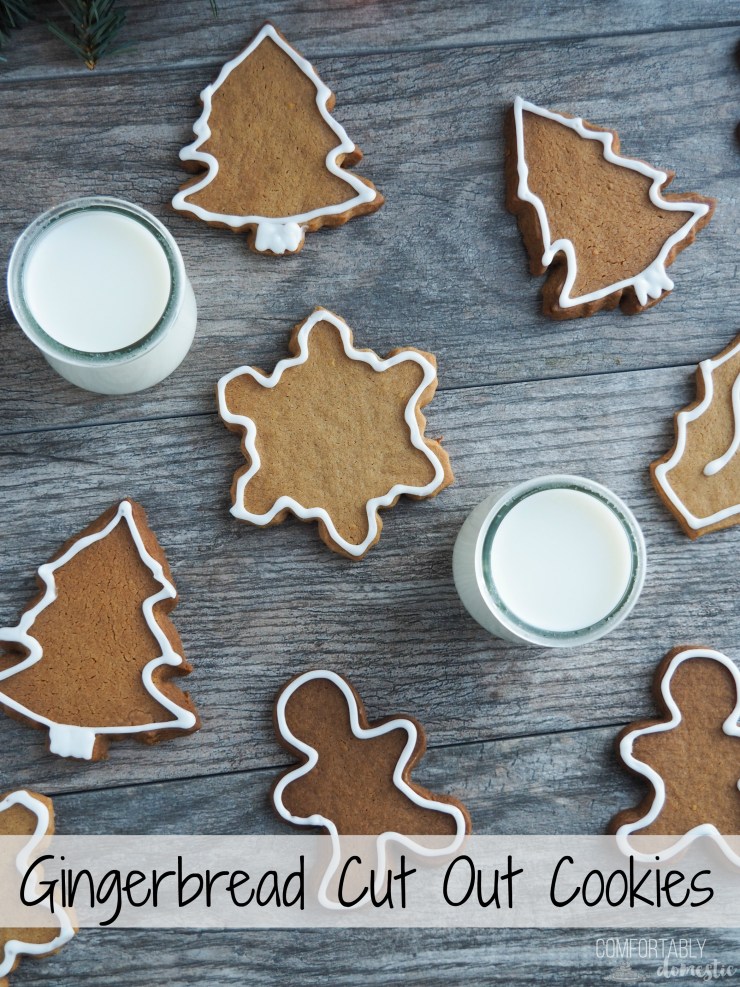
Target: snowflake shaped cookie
[{"x": 334, "y": 434}]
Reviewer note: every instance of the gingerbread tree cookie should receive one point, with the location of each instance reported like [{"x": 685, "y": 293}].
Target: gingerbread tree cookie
[
  {"x": 598, "y": 221},
  {"x": 276, "y": 160},
  {"x": 690, "y": 757},
  {"x": 355, "y": 778},
  {"x": 699, "y": 478},
  {"x": 334, "y": 434},
  {"x": 26, "y": 814},
  {"x": 99, "y": 652}
]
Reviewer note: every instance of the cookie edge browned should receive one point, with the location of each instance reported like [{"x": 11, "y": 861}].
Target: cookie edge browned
[
  {"x": 665, "y": 716},
  {"x": 556, "y": 272},
  {"x": 700, "y": 391},
  {"x": 344, "y": 161},
  {"x": 435, "y": 445},
  {"x": 161, "y": 614},
  {"x": 416, "y": 755}
]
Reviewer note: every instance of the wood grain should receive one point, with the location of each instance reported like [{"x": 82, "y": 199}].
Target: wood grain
[
  {"x": 566, "y": 783},
  {"x": 353, "y": 957},
  {"x": 441, "y": 266},
  {"x": 185, "y": 33},
  {"x": 261, "y": 605},
  {"x": 569, "y": 783},
  {"x": 522, "y": 735}
]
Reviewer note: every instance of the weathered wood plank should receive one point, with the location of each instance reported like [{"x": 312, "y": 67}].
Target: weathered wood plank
[
  {"x": 354, "y": 957},
  {"x": 565, "y": 783},
  {"x": 441, "y": 266},
  {"x": 259, "y": 606},
  {"x": 276, "y": 602},
  {"x": 185, "y": 33},
  {"x": 569, "y": 783}
]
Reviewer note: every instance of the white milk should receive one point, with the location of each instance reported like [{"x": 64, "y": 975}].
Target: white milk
[
  {"x": 561, "y": 560},
  {"x": 97, "y": 281},
  {"x": 557, "y": 561},
  {"x": 99, "y": 286}
]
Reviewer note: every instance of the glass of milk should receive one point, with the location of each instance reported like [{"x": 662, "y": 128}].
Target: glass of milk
[
  {"x": 557, "y": 561},
  {"x": 99, "y": 285}
]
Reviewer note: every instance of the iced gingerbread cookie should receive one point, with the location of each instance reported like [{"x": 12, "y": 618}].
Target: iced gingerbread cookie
[
  {"x": 333, "y": 434},
  {"x": 354, "y": 778},
  {"x": 94, "y": 656},
  {"x": 275, "y": 159},
  {"x": 699, "y": 478},
  {"x": 690, "y": 757},
  {"x": 26, "y": 814},
  {"x": 598, "y": 221}
]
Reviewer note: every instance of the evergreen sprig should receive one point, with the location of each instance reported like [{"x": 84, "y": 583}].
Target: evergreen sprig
[
  {"x": 95, "y": 25},
  {"x": 13, "y": 14}
]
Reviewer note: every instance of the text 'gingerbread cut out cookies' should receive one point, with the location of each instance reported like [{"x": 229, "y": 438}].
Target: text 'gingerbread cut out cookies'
[
  {"x": 690, "y": 757},
  {"x": 598, "y": 221},
  {"x": 334, "y": 434},
  {"x": 276, "y": 160},
  {"x": 26, "y": 814},
  {"x": 355, "y": 777},
  {"x": 699, "y": 478},
  {"x": 99, "y": 650}
]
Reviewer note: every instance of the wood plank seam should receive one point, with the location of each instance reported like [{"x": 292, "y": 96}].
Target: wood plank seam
[{"x": 109, "y": 72}]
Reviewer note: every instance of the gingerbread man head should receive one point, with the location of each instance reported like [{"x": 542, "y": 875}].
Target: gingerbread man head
[{"x": 691, "y": 757}]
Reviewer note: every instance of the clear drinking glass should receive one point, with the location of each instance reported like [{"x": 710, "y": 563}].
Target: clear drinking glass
[
  {"x": 476, "y": 585},
  {"x": 119, "y": 371}
]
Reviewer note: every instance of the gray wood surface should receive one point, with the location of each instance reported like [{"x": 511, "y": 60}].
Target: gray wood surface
[
  {"x": 523, "y": 735},
  {"x": 190, "y": 36},
  {"x": 434, "y": 145}
]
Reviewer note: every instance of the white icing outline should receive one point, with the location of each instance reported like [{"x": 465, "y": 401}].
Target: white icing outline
[
  {"x": 651, "y": 282},
  {"x": 319, "y": 513},
  {"x": 361, "y": 733},
  {"x": 706, "y": 368},
  {"x": 719, "y": 464},
  {"x": 731, "y": 727},
  {"x": 276, "y": 234},
  {"x": 15, "y": 947},
  {"x": 70, "y": 740}
]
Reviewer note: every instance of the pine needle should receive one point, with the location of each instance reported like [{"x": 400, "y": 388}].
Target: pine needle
[
  {"x": 95, "y": 25},
  {"x": 13, "y": 14}
]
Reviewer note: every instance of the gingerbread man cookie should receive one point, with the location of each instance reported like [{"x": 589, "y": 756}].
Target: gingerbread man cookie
[
  {"x": 275, "y": 159},
  {"x": 598, "y": 221},
  {"x": 27, "y": 814},
  {"x": 98, "y": 650},
  {"x": 355, "y": 777},
  {"x": 334, "y": 434},
  {"x": 690, "y": 757},
  {"x": 699, "y": 478}
]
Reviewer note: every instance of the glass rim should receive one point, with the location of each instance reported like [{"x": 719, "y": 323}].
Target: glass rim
[
  {"x": 486, "y": 582},
  {"x": 37, "y": 228}
]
